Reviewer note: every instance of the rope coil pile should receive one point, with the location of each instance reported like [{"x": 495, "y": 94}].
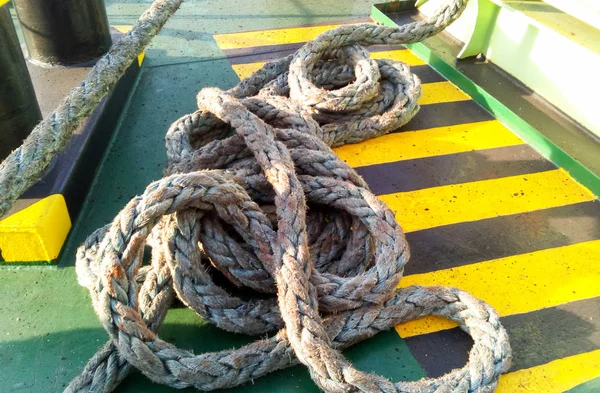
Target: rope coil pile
[{"x": 254, "y": 191}]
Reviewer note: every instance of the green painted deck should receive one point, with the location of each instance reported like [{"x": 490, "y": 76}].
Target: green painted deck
[{"x": 482, "y": 209}]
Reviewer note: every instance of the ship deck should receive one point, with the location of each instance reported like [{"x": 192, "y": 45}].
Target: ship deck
[{"x": 483, "y": 211}]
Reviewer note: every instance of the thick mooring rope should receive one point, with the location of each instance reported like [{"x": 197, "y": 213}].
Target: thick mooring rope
[
  {"x": 253, "y": 192},
  {"x": 26, "y": 164}
]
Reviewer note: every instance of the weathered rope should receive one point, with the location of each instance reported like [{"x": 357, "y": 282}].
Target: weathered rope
[
  {"x": 254, "y": 191},
  {"x": 26, "y": 164}
]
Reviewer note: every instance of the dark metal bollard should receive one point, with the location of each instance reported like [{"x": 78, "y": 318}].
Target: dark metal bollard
[
  {"x": 19, "y": 109},
  {"x": 64, "y": 32}
]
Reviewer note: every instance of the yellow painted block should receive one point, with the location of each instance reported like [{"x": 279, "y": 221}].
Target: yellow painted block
[
  {"x": 36, "y": 233},
  {"x": 554, "y": 377},
  {"x": 454, "y": 203},
  {"x": 516, "y": 284},
  {"x": 427, "y": 143},
  {"x": 2, "y": 2}
]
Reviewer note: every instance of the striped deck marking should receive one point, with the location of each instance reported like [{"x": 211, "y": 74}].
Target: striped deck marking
[
  {"x": 403, "y": 55},
  {"x": 259, "y": 54},
  {"x": 244, "y": 70},
  {"x": 536, "y": 338},
  {"x": 446, "y": 114},
  {"x": 420, "y": 173},
  {"x": 517, "y": 284},
  {"x": 255, "y": 59},
  {"x": 554, "y": 377},
  {"x": 483, "y": 212},
  {"x": 434, "y": 93},
  {"x": 270, "y": 37},
  {"x": 427, "y": 74},
  {"x": 451, "y": 204},
  {"x": 427, "y": 142},
  {"x": 461, "y": 244},
  {"x": 263, "y": 54}
]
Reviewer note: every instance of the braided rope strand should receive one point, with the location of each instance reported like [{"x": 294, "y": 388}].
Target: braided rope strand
[
  {"x": 252, "y": 190},
  {"x": 24, "y": 166}
]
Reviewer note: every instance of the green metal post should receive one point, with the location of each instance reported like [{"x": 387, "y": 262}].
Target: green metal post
[
  {"x": 19, "y": 109},
  {"x": 64, "y": 32}
]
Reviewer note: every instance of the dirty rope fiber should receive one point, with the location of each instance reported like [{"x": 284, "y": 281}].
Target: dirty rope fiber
[
  {"x": 254, "y": 192},
  {"x": 26, "y": 164}
]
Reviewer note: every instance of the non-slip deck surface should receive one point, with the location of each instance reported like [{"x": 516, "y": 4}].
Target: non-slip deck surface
[{"x": 483, "y": 212}]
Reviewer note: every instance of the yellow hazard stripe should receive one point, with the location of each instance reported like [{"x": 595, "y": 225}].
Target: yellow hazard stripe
[
  {"x": 299, "y": 35},
  {"x": 246, "y": 69},
  {"x": 451, "y": 204},
  {"x": 555, "y": 377},
  {"x": 409, "y": 145},
  {"x": 270, "y": 37},
  {"x": 517, "y": 284},
  {"x": 403, "y": 55},
  {"x": 2, "y": 2},
  {"x": 437, "y": 92}
]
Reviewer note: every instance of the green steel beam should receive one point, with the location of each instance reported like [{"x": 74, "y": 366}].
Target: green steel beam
[{"x": 487, "y": 12}]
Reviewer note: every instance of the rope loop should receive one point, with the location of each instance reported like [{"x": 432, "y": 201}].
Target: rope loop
[{"x": 253, "y": 193}]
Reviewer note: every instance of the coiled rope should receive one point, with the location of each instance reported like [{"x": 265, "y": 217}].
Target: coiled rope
[
  {"x": 254, "y": 191},
  {"x": 26, "y": 164}
]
